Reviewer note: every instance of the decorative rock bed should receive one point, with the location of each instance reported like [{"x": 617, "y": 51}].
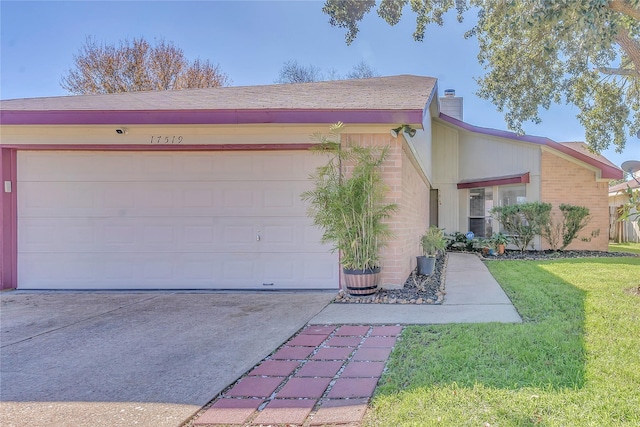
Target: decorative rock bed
[
  {"x": 551, "y": 255},
  {"x": 420, "y": 289}
]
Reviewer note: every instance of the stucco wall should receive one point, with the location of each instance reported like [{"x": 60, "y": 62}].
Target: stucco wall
[
  {"x": 409, "y": 189},
  {"x": 564, "y": 181}
]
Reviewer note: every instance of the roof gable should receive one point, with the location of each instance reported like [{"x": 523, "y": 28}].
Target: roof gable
[{"x": 608, "y": 169}]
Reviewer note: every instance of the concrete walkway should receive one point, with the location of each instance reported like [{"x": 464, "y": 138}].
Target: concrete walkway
[{"x": 472, "y": 296}]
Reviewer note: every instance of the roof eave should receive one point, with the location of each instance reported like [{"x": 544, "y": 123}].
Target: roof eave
[{"x": 213, "y": 117}]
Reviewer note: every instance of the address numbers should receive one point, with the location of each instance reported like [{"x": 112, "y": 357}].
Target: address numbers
[{"x": 162, "y": 139}]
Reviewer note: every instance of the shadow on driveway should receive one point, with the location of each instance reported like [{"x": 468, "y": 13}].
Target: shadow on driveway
[{"x": 125, "y": 358}]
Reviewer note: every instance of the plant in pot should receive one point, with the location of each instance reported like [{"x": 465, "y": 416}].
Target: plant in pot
[
  {"x": 431, "y": 242},
  {"x": 348, "y": 203},
  {"x": 500, "y": 241}
]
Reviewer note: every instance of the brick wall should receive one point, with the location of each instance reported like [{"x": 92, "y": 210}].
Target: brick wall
[
  {"x": 408, "y": 188},
  {"x": 563, "y": 181}
]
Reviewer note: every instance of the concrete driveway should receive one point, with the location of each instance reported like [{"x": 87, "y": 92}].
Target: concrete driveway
[{"x": 126, "y": 358}]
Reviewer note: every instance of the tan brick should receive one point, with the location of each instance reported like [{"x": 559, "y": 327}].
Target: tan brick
[{"x": 568, "y": 182}]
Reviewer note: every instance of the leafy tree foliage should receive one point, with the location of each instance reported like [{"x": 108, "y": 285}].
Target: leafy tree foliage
[
  {"x": 539, "y": 52},
  {"x": 631, "y": 209},
  {"x": 137, "y": 66},
  {"x": 292, "y": 72}
]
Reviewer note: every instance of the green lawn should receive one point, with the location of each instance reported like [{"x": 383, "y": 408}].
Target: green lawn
[
  {"x": 575, "y": 361},
  {"x": 625, "y": 247}
]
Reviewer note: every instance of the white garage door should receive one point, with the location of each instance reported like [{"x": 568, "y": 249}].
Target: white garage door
[{"x": 194, "y": 220}]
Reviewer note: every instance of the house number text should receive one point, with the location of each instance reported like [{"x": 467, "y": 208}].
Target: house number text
[{"x": 171, "y": 139}]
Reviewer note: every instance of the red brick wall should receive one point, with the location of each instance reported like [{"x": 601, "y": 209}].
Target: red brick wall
[
  {"x": 408, "y": 188},
  {"x": 563, "y": 181}
]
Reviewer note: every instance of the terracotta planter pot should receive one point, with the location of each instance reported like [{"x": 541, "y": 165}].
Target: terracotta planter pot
[
  {"x": 500, "y": 249},
  {"x": 361, "y": 283}
]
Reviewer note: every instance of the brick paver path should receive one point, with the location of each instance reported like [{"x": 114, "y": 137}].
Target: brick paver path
[{"x": 322, "y": 376}]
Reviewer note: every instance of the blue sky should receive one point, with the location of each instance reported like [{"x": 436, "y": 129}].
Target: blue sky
[{"x": 250, "y": 40}]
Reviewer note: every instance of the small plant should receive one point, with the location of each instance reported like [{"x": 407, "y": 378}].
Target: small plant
[
  {"x": 500, "y": 239},
  {"x": 459, "y": 241},
  {"x": 433, "y": 241}
]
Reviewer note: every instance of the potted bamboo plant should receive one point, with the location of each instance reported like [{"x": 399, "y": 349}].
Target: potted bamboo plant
[
  {"x": 431, "y": 242},
  {"x": 350, "y": 207}
]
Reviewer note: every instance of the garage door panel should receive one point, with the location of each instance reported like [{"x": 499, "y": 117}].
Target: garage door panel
[
  {"x": 168, "y": 221},
  {"x": 194, "y": 166},
  {"x": 140, "y": 199},
  {"x": 221, "y": 234},
  {"x": 177, "y": 271}
]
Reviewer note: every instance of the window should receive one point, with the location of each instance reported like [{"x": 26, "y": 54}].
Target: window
[
  {"x": 480, "y": 203},
  {"x": 481, "y": 200},
  {"x": 512, "y": 195}
]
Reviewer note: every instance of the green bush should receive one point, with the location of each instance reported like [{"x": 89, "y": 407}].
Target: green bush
[{"x": 523, "y": 222}]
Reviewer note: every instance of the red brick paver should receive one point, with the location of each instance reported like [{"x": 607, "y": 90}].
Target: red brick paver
[
  {"x": 353, "y": 387},
  {"x": 255, "y": 387},
  {"x": 229, "y": 411},
  {"x": 340, "y": 412},
  {"x": 275, "y": 368},
  {"x": 304, "y": 387},
  {"x": 307, "y": 340},
  {"x": 333, "y": 353},
  {"x": 325, "y": 375},
  {"x": 379, "y": 342},
  {"x": 344, "y": 342},
  {"x": 292, "y": 353},
  {"x": 352, "y": 330},
  {"x": 280, "y": 411},
  {"x": 320, "y": 368},
  {"x": 372, "y": 354}
]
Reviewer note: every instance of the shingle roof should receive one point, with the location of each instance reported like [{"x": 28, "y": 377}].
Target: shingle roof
[
  {"x": 404, "y": 92},
  {"x": 619, "y": 188},
  {"x": 583, "y": 148}
]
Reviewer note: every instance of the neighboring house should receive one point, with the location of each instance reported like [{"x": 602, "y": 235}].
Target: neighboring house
[
  {"x": 627, "y": 230},
  {"x": 200, "y": 189}
]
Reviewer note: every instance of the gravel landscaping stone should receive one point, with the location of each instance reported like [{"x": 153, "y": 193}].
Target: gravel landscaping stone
[{"x": 420, "y": 289}]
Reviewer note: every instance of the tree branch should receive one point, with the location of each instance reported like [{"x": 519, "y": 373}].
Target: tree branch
[
  {"x": 617, "y": 71},
  {"x": 631, "y": 47},
  {"x": 625, "y": 8}
]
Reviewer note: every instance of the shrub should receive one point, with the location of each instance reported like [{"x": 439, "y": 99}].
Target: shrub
[
  {"x": 574, "y": 219},
  {"x": 523, "y": 222}
]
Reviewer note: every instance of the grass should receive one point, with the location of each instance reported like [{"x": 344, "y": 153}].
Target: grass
[
  {"x": 574, "y": 361},
  {"x": 634, "y": 248}
]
